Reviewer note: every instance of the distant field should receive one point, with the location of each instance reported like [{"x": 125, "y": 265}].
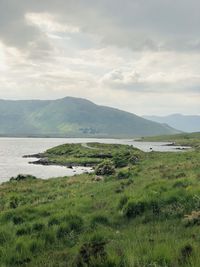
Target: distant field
[
  {"x": 139, "y": 209},
  {"x": 185, "y": 139}
]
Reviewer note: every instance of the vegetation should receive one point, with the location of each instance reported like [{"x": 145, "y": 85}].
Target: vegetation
[
  {"x": 72, "y": 117},
  {"x": 183, "y": 139},
  {"x": 146, "y": 213}
]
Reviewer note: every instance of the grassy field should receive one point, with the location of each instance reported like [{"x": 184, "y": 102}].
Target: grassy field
[
  {"x": 139, "y": 209},
  {"x": 185, "y": 139}
]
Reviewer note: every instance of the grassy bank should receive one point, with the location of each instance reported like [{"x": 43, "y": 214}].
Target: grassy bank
[
  {"x": 142, "y": 209},
  {"x": 184, "y": 139}
]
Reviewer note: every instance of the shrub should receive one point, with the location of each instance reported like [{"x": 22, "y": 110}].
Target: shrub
[
  {"x": 4, "y": 237},
  {"x": 21, "y": 256},
  {"x": 123, "y": 174},
  {"x": 38, "y": 227},
  {"x": 185, "y": 253},
  {"x": 133, "y": 159},
  {"x": 62, "y": 231},
  {"x": 123, "y": 201},
  {"x": 182, "y": 184},
  {"x": 99, "y": 219},
  {"x": 14, "y": 202},
  {"x": 35, "y": 246},
  {"x": 105, "y": 168},
  {"x": 193, "y": 218},
  {"x": 53, "y": 221},
  {"x": 22, "y": 177},
  {"x": 17, "y": 220},
  {"x": 93, "y": 253},
  {"x": 25, "y": 230},
  {"x": 120, "y": 161},
  {"x": 133, "y": 209},
  {"x": 74, "y": 222},
  {"x": 48, "y": 236}
]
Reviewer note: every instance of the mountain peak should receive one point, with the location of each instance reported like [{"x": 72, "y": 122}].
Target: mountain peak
[{"x": 73, "y": 117}]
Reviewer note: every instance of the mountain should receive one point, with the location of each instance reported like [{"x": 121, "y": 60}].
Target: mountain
[
  {"x": 72, "y": 117},
  {"x": 185, "y": 123}
]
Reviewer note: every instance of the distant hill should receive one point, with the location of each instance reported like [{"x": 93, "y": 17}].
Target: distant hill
[
  {"x": 185, "y": 123},
  {"x": 72, "y": 117}
]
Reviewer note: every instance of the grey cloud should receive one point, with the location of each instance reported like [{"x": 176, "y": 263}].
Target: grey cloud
[{"x": 137, "y": 24}]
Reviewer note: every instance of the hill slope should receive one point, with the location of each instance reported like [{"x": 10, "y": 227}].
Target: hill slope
[
  {"x": 72, "y": 117},
  {"x": 185, "y": 123}
]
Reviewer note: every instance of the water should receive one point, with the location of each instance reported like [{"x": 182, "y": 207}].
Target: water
[{"x": 12, "y": 151}]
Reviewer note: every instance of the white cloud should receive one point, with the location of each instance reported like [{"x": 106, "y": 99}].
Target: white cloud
[{"x": 126, "y": 54}]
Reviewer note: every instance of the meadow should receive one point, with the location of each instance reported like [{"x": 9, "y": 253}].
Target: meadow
[{"x": 137, "y": 209}]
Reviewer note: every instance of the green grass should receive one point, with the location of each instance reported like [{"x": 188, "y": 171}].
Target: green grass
[
  {"x": 185, "y": 139},
  {"x": 134, "y": 217}
]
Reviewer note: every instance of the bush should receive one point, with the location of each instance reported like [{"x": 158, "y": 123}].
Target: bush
[
  {"x": 99, "y": 219},
  {"x": 38, "y": 227},
  {"x": 53, "y": 221},
  {"x": 105, "y": 168},
  {"x": 73, "y": 223},
  {"x": 133, "y": 209},
  {"x": 123, "y": 174},
  {"x": 123, "y": 202},
  {"x": 185, "y": 253},
  {"x": 48, "y": 236},
  {"x": 14, "y": 202},
  {"x": 120, "y": 161},
  {"x": 25, "y": 230},
  {"x": 192, "y": 219},
  {"x": 93, "y": 253},
  {"x": 4, "y": 237},
  {"x": 17, "y": 220},
  {"x": 35, "y": 246},
  {"x": 22, "y": 177},
  {"x": 63, "y": 231}
]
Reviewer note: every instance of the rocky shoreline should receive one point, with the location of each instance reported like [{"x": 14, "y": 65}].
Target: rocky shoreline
[{"x": 43, "y": 160}]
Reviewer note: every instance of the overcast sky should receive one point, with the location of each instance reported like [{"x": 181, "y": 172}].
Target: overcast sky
[{"x": 142, "y": 56}]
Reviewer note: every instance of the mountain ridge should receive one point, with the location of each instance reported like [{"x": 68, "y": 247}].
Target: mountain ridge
[
  {"x": 72, "y": 117},
  {"x": 185, "y": 123}
]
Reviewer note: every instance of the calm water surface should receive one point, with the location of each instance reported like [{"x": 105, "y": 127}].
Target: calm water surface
[{"x": 12, "y": 151}]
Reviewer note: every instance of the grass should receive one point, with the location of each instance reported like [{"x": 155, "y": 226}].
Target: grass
[
  {"x": 146, "y": 213},
  {"x": 184, "y": 139}
]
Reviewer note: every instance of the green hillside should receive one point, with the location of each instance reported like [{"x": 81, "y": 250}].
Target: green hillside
[
  {"x": 137, "y": 210},
  {"x": 72, "y": 117}
]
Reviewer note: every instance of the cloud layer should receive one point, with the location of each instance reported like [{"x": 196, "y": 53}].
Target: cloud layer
[{"x": 141, "y": 56}]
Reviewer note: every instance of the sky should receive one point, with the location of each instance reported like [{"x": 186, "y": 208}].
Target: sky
[{"x": 142, "y": 56}]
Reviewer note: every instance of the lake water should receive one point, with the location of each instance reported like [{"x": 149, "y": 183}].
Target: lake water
[{"x": 12, "y": 151}]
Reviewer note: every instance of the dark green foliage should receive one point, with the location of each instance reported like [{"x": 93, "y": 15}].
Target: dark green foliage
[
  {"x": 63, "y": 231},
  {"x": 70, "y": 223},
  {"x": 133, "y": 209},
  {"x": 14, "y": 202},
  {"x": 120, "y": 160},
  {"x": 22, "y": 177},
  {"x": 92, "y": 253},
  {"x": 23, "y": 230},
  {"x": 4, "y": 237},
  {"x": 185, "y": 253},
  {"x": 17, "y": 219},
  {"x": 53, "y": 221},
  {"x": 38, "y": 227},
  {"x": 123, "y": 200},
  {"x": 124, "y": 174},
  {"x": 99, "y": 219},
  {"x": 105, "y": 168}
]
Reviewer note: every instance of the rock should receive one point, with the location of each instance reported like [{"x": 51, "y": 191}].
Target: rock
[{"x": 98, "y": 178}]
